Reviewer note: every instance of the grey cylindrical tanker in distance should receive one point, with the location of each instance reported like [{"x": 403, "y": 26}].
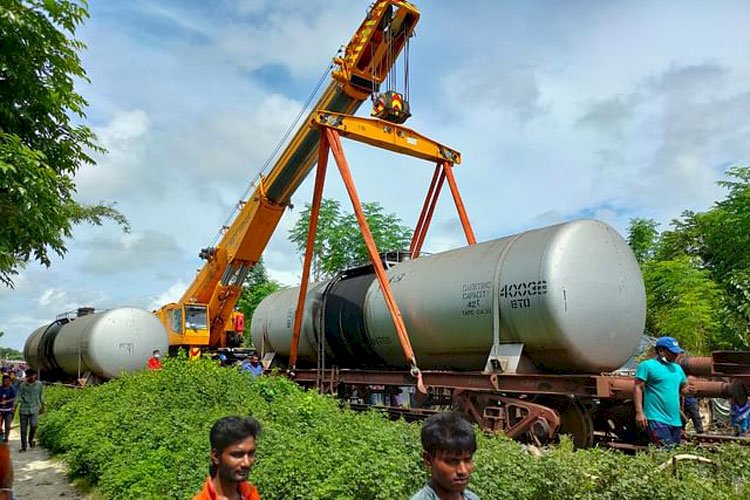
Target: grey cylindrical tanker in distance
[
  {"x": 105, "y": 343},
  {"x": 572, "y": 293}
]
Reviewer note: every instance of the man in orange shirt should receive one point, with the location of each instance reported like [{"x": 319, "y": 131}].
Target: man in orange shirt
[{"x": 232, "y": 456}]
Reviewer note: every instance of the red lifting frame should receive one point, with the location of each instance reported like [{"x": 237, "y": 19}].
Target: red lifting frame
[
  {"x": 330, "y": 140},
  {"x": 320, "y": 176},
  {"x": 443, "y": 171}
]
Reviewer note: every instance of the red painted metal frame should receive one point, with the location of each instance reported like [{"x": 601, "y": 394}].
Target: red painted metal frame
[
  {"x": 448, "y": 169},
  {"x": 583, "y": 385},
  {"x": 398, "y": 321},
  {"x": 330, "y": 141},
  {"x": 443, "y": 172},
  {"x": 425, "y": 216},
  {"x": 320, "y": 176}
]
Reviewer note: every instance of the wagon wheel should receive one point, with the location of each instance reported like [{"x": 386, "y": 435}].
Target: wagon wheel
[{"x": 576, "y": 421}]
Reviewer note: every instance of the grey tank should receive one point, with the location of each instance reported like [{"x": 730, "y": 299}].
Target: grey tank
[
  {"x": 572, "y": 293},
  {"x": 105, "y": 343}
]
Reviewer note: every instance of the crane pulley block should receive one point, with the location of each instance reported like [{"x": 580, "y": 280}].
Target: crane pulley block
[
  {"x": 207, "y": 253},
  {"x": 390, "y": 106}
]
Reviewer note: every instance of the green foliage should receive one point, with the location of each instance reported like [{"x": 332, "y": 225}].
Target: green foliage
[
  {"x": 684, "y": 302},
  {"x": 257, "y": 287},
  {"x": 697, "y": 273},
  {"x": 339, "y": 243},
  {"x": 10, "y": 353},
  {"x": 146, "y": 436},
  {"x": 642, "y": 236},
  {"x": 40, "y": 147}
]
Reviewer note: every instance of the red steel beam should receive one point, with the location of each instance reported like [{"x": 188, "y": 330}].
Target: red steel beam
[
  {"x": 448, "y": 169},
  {"x": 427, "y": 201},
  {"x": 346, "y": 175},
  {"x": 320, "y": 176},
  {"x": 428, "y": 216}
]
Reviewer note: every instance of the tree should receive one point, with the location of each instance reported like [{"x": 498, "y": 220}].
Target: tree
[
  {"x": 257, "y": 287},
  {"x": 683, "y": 302},
  {"x": 41, "y": 148},
  {"x": 642, "y": 236},
  {"x": 697, "y": 273},
  {"x": 9, "y": 353},
  {"x": 719, "y": 239},
  {"x": 339, "y": 243}
]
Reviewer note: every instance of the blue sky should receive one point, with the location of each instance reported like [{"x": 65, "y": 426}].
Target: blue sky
[{"x": 562, "y": 110}]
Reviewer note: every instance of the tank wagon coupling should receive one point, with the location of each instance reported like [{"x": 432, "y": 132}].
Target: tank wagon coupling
[{"x": 95, "y": 345}]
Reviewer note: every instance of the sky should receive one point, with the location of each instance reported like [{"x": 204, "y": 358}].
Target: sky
[{"x": 561, "y": 110}]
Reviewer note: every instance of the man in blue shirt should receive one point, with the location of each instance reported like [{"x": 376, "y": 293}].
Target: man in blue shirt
[
  {"x": 659, "y": 383},
  {"x": 7, "y": 405},
  {"x": 252, "y": 365}
]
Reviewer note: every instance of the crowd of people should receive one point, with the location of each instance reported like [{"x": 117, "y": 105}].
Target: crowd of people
[
  {"x": 251, "y": 365},
  {"x": 24, "y": 395}
]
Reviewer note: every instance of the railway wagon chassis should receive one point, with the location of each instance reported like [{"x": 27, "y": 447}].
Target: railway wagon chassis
[{"x": 534, "y": 408}]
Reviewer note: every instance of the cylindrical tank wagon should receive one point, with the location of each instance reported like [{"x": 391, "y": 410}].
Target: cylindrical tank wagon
[
  {"x": 105, "y": 344},
  {"x": 572, "y": 294},
  {"x": 566, "y": 301}
]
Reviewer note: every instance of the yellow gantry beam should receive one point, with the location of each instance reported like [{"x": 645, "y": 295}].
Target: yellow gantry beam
[{"x": 387, "y": 135}]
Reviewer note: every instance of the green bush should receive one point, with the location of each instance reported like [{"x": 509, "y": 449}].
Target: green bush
[{"x": 146, "y": 436}]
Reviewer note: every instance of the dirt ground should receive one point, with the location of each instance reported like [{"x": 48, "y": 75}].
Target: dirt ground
[{"x": 37, "y": 476}]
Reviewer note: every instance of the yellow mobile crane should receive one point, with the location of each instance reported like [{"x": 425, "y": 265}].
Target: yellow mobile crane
[{"x": 203, "y": 317}]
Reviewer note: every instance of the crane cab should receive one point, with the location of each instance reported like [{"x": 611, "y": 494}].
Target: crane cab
[{"x": 186, "y": 324}]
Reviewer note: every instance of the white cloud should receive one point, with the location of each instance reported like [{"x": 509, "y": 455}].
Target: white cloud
[
  {"x": 683, "y": 121},
  {"x": 609, "y": 115},
  {"x": 176, "y": 16},
  {"x": 499, "y": 86},
  {"x": 49, "y": 295},
  {"x": 121, "y": 172},
  {"x": 172, "y": 294},
  {"x": 302, "y": 37},
  {"x": 129, "y": 253},
  {"x": 690, "y": 81},
  {"x": 229, "y": 146},
  {"x": 65, "y": 299}
]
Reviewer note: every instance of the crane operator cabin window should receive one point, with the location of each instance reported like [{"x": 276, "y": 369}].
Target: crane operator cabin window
[
  {"x": 196, "y": 318},
  {"x": 177, "y": 320}
]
